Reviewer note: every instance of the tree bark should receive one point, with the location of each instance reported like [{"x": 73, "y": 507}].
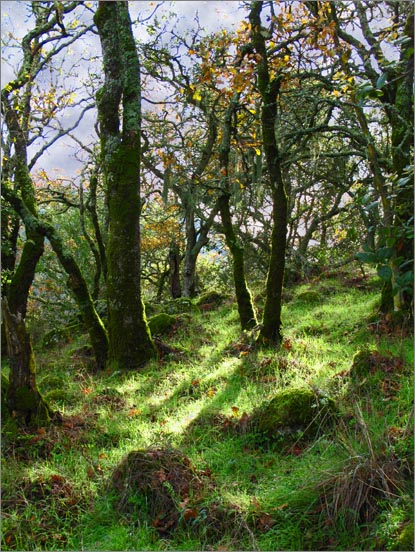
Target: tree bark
[
  {"x": 174, "y": 263},
  {"x": 130, "y": 343},
  {"x": 246, "y": 310},
  {"x": 23, "y": 399},
  {"x": 76, "y": 281},
  {"x": 271, "y": 332}
]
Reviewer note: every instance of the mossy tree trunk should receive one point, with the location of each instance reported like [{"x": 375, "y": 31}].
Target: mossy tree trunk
[
  {"x": 402, "y": 119},
  {"x": 23, "y": 399},
  {"x": 271, "y": 331},
  {"x": 76, "y": 281},
  {"x": 174, "y": 265},
  {"x": 130, "y": 343},
  {"x": 246, "y": 308}
]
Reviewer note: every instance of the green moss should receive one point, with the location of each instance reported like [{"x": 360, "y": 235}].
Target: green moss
[
  {"x": 293, "y": 410},
  {"x": 405, "y": 540},
  {"x": 362, "y": 362},
  {"x": 309, "y": 296},
  {"x": 161, "y": 323},
  {"x": 4, "y": 390},
  {"x": 180, "y": 306},
  {"x": 211, "y": 298},
  {"x": 30, "y": 406},
  {"x": 56, "y": 395}
]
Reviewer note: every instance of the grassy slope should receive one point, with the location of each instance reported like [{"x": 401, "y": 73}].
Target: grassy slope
[{"x": 54, "y": 481}]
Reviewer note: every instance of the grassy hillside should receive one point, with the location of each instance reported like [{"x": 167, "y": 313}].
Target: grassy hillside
[{"x": 206, "y": 478}]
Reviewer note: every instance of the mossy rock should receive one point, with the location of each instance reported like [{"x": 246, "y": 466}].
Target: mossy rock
[
  {"x": 212, "y": 297},
  {"x": 51, "y": 381},
  {"x": 362, "y": 363},
  {"x": 292, "y": 413},
  {"x": 161, "y": 323},
  {"x": 405, "y": 541},
  {"x": 309, "y": 296},
  {"x": 56, "y": 395},
  {"x": 180, "y": 306},
  {"x": 151, "y": 309}
]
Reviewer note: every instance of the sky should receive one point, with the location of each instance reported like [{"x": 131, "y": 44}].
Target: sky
[{"x": 59, "y": 159}]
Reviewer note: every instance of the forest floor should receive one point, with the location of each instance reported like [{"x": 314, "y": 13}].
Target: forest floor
[{"x": 167, "y": 458}]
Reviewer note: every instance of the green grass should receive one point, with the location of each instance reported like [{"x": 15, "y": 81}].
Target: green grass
[{"x": 55, "y": 481}]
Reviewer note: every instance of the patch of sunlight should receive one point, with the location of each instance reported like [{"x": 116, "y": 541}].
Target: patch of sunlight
[
  {"x": 225, "y": 367},
  {"x": 189, "y": 414}
]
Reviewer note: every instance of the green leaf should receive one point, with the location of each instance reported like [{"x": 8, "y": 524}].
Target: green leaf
[
  {"x": 385, "y": 273},
  {"x": 381, "y": 80},
  {"x": 384, "y": 253},
  {"x": 366, "y": 257}
]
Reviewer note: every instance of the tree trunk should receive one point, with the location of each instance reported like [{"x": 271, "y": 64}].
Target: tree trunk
[
  {"x": 24, "y": 401},
  {"x": 246, "y": 309},
  {"x": 402, "y": 140},
  {"x": 190, "y": 258},
  {"x": 174, "y": 263},
  {"x": 76, "y": 281},
  {"x": 130, "y": 343},
  {"x": 271, "y": 332}
]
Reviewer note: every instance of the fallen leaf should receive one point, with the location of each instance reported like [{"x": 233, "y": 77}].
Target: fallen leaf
[
  {"x": 134, "y": 412},
  {"x": 287, "y": 344},
  {"x": 190, "y": 513},
  {"x": 235, "y": 411}
]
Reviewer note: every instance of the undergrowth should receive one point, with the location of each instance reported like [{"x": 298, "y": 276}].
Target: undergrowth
[{"x": 348, "y": 488}]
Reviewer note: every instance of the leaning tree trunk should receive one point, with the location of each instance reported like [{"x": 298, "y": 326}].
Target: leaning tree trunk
[
  {"x": 23, "y": 399},
  {"x": 246, "y": 309},
  {"x": 271, "y": 331},
  {"x": 130, "y": 343},
  {"x": 76, "y": 282}
]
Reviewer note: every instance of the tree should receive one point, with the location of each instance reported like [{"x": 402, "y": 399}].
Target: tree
[
  {"x": 119, "y": 116},
  {"x": 379, "y": 83},
  {"x": 17, "y": 107},
  {"x": 269, "y": 88},
  {"x": 246, "y": 308}
]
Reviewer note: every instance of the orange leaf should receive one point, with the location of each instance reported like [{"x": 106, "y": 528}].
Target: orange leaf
[
  {"x": 134, "y": 412},
  {"x": 287, "y": 344},
  {"x": 211, "y": 392}
]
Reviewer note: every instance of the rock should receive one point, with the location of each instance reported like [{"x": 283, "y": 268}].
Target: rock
[
  {"x": 181, "y": 305},
  {"x": 161, "y": 323},
  {"x": 213, "y": 298},
  {"x": 292, "y": 411}
]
